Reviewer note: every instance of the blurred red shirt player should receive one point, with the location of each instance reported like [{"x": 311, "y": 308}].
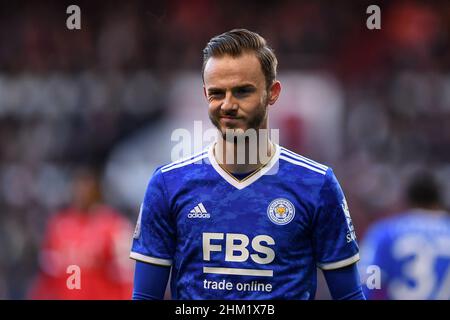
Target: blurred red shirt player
[{"x": 92, "y": 237}]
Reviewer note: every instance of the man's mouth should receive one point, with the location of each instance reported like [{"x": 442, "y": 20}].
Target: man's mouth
[{"x": 229, "y": 117}]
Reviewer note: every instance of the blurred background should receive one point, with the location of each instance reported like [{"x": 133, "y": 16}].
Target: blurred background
[{"x": 372, "y": 104}]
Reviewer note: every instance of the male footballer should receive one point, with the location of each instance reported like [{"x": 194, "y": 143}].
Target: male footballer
[{"x": 227, "y": 227}]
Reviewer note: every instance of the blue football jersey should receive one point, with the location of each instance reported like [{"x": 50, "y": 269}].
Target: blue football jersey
[
  {"x": 261, "y": 237},
  {"x": 412, "y": 253}
]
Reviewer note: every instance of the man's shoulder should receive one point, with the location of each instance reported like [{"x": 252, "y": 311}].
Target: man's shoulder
[
  {"x": 422, "y": 221},
  {"x": 302, "y": 165},
  {"x": 405, "y": 223},
  {"x": 185, "y": 164}
]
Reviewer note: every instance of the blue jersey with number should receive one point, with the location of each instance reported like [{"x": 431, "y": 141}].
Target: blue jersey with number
[
  {"x": 261, "y": 237},
  {"x": 410, "y": 254}
]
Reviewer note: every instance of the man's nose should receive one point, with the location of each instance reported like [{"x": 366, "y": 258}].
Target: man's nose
[{"x": 229, "y": 103}]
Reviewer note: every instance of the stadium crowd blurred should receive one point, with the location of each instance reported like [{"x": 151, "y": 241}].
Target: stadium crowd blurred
[{"x": 100, "y": 95}]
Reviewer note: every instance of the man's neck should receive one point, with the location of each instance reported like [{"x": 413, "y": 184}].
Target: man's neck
[{"x": 243, "y": 158}]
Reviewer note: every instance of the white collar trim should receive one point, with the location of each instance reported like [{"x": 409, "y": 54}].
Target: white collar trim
[{"x": 246, "y": 182}]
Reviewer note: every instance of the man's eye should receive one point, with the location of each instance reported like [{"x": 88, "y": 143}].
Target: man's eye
[
  {"x": 215, "y": 95},
  {"x": 243, "y": 92}
]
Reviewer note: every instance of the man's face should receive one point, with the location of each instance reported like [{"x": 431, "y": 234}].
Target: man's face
[{"x": 235, "y": 88}]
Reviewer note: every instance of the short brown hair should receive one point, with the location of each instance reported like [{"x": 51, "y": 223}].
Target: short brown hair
[{"x": 238, "y": 41}]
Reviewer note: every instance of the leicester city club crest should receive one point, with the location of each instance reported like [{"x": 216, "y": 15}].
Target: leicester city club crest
[{"x": 281, "y": 211}]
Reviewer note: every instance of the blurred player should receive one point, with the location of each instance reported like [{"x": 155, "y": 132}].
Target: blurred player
[
  {"x": 94, "y": 238},
  {"x": 243, "y": 230},
  {"x": 412, "y": 249}
]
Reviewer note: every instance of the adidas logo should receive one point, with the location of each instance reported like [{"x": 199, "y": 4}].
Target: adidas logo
[{"x": 199, "y": 212}]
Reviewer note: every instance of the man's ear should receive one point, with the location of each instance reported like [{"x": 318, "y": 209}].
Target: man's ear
[
  {"x": 204, "y": 92},
  {"x": 274, "y": 92}
]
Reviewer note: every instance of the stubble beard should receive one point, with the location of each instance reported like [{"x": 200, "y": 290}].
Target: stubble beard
[{"x": 255, "y": 122}]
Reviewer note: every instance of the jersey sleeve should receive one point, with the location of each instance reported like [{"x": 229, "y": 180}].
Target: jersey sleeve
[
  {"x": 374, "y": 257},
  {"x": 370, "y": 247},
  {"x": 154, "y": 235},
  {"x": 333, "y": 234}
]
